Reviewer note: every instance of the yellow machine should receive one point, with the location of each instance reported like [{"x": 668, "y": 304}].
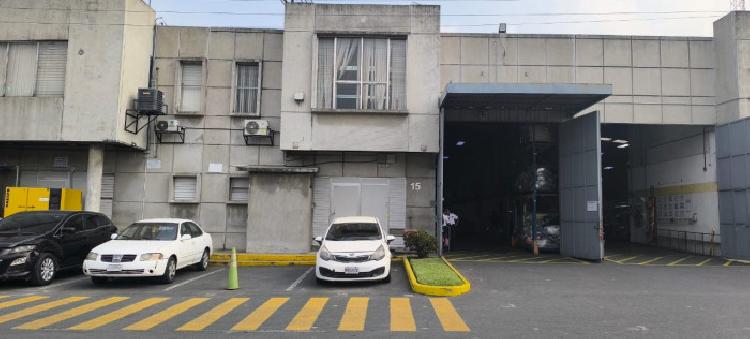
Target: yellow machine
[{"x": 19, "y": 199}]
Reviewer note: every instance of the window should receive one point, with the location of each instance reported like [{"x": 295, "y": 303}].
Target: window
[
  {"x": 107, "y": 193},
  {"x": 185, "y": 188},
  {"x": 191, "y": 82},
  {"x": 238, "y": 189},
  {"x": 195, "y": 231},
  {"x": 89, "y": 221},
  {"x": 76, "y": 222},
  {"x": 184, "y": 229},
  {"x": 362, "y": 73},
  {"x": 33, "y": 68},
  {"x": 247, "y": 88}
]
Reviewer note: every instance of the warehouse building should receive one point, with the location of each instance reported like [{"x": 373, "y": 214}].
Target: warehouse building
[{"x": 266, "y": 135}]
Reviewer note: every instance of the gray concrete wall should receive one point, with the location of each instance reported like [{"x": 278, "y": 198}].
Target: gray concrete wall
[
  {"x": 732, "y": 34},
  {"x": 655, "y": 80},
  {"x": 279, "y": 213},
  {"x": 415, "y": 131},
  {"x": 107, "y": 49}
]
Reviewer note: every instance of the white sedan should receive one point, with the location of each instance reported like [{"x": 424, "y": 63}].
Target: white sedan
[
  {"x": 150, "y": 248},
  {"x": 354, "y": 249}
]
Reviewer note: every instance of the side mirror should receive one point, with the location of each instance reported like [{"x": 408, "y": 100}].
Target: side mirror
[
  {"x": 389, "y": 239},
  {"x": 68, "y": 229},
  {"x": 113, "y": 236},
  {"x": 318, "y": 240},
  {"x": 186, "y": 237}
]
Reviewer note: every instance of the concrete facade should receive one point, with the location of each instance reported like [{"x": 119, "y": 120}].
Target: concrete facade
[{"x": 688, "y": 81}]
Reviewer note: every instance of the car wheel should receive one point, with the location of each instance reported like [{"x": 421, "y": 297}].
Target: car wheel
[
  {"x": 44, "y": 270},
  {"x": 99, "y": 280},
  {"x": 203, "y": 264},
  {"x": 169, "y": 272},
  {"x": 387, "y": 278}
]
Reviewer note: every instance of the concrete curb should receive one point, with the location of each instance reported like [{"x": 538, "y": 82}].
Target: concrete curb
[
  {"x": 437, "y": 291},
  {"x": 262, "y": 260}
]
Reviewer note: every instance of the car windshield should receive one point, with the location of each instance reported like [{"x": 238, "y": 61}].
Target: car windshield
[
  {"x": 149, "y": 231},
  {"x": 349, "y": 232},
  {"x": 30, "y": 223}
]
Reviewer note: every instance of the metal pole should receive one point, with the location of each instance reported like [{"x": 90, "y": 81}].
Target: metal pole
[
  {"x": 533, "y": 192},
  {"x": 439, "y": 214}
]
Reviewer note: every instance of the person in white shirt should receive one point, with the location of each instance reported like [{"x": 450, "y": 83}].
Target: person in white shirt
[{"x": 450, "y": 220}]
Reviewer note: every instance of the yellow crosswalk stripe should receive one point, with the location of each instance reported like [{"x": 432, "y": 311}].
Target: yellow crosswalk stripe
[
  {"x": 20, "y": 301},
  {"x": 73, "y": 312},
  {"x": 38, "y": 309},
  {"x": 355, "y": 314},
  {"x": 449, "y": 318},
  {"x": 208, "y": 318},
  {"x": 306, "y": 317},
  {"x": 169, "y": 313},
  {"x": 256, "y": 319},
  {"x": 116, "y": 315},
  {"x": 402, "y": 319}
]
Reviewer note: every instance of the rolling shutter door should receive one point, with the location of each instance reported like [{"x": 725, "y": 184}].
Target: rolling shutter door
[
  {"x": 321, "y": 206},
  {"x": 51, "y": 68},
  {"x": 397, "y": 203},
  {"x": 107, "y": 194},
  {"x": 185, "y": 188}
]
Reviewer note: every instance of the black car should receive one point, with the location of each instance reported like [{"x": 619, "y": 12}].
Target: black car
[{"x": 35, "y": 245}]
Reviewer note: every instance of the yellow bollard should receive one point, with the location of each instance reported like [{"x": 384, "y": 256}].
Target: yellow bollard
[{"x": 232, "y": 283}]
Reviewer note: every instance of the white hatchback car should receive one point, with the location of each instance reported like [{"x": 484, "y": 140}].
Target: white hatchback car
[
  {"x": 150, "y": 248},
  {"x": 354, "y": 249}
]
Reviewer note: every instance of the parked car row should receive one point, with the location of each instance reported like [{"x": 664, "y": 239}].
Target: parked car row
[{"x": 34, "y": 246}]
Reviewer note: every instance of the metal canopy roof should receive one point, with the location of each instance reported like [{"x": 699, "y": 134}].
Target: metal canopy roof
[{"x": 559, "y": 98}]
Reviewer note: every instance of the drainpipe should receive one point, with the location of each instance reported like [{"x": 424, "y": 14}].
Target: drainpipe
[{"x": 439, "y": 214}]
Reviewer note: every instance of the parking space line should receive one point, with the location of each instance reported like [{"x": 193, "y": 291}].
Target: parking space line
[
  {"x": 703, "y": 262},
  {"x": 21, "y": 301},
  {"x": 256, "y": 319},
  {"x": 500, "y": 258},
  {"x": 623, "y": 260},
  {"x": 68, "y": 282},
  {"x": 650, "y": 260},
  {"x": 103, "y": 320},
  {"x": 300, "y": 279},
  {"x": 73, "y": 312},
  {"x": 355, "y": 314},
  {"x": 679, "y": 260},
  {"x": 191, "y": 280},
  {"x": 727, "y": 263},
  {"x": 38, "y": 308},
  {"x": 306, "y": 317},
  {"x": 402, "y": 318},
  {"x": 169, "y": 313},
  {"x": 208, "y": 318},
  {"x": 473, "y": 257},
  {"x": 449, "y": 318}
]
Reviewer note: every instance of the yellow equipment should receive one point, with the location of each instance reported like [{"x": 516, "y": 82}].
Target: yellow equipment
[{"x": 19, "y": 199}]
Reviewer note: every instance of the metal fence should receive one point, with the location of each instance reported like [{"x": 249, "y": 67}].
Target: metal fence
[{"x": 690, "y": 242}]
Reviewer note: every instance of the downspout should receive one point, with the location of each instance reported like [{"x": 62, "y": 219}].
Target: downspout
[{"x": 439, "y": 212}]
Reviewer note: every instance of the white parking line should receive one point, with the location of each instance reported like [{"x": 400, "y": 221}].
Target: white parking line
[
  {"x": 63, "y": 283},
  {"x": 299, "y": 280},
  {"x": 191, "y": 280}
]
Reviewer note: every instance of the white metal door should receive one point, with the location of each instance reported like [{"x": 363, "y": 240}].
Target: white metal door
[
  {"x": 580, "y": 188},
  {"x": 345, "y": 200},
  {"x": 375, "y": 201}
]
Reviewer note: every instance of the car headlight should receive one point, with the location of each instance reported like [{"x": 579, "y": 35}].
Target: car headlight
[
  {"x": 92, "y": 256},
  {"x": 22, "y": 249},
  {"x": 324, "y": 254},
  {"x": 151, "y": 256},
  {"x": 379, "y": 253}
]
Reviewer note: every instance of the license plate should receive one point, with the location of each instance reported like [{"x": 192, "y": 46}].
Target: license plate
[
  {"x": 114, "y": 267},
  {"x": 351, "y": 270}
]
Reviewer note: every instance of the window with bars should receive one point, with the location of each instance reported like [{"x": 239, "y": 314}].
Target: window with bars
[
  {"x": 239, "y": 189},
  {"x": 191, "y": 86},
  {"x": 361, "y": 73},
  {"x": 247, "y": 88},
  {"x": 33, "y": 68}
]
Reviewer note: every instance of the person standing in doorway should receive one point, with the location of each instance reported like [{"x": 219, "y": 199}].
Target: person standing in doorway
[
  {"x": 446, "y": 230},
  {"x": 452, "y": 224}
]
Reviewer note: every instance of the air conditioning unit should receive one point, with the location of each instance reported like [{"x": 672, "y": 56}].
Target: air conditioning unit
[
  {"x": 168, "y": 126},
  {"x": 255, "y": 128},
  {"x": 150, "y": 101}
]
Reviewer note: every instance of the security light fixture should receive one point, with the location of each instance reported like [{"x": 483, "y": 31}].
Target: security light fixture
[
  {"x": 608, "y": 168},
  {"x": 460, "y": 143},
  {"x": 606, "y": 139},
  {"x": 623, "y": 146},
  {"x": 445, "y": 157},
  {"x": 620, "y": 141}
]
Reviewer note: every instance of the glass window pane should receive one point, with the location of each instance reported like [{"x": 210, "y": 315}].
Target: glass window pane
[
  {"x": 398, "y": 75},
  {"x": 347, "y": 58},
  {"x": 192, "y": 74},
  {"x": 20, "y": 77},
  {"x": 246, "y": 97},
  {"x": 325, "y": 73},
  {"x": 375, "y": 96},
  {"x": 347, "y": 96}
]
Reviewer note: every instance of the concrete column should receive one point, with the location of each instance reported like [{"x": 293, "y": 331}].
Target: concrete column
[{"x": 94, "y": 177}]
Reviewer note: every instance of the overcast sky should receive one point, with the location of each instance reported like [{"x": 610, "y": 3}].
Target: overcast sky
[{"x": 653, "y": 17}]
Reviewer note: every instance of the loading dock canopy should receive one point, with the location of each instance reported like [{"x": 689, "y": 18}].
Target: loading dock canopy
[{"x": 551, "y": 99}]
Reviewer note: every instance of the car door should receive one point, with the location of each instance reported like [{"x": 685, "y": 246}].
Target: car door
[
  {"x": 197, "y": 241},
  {"x": 73, "y": 240},
  {"x": 184, "y": 247},
  {"x": 96, "y": 232}
]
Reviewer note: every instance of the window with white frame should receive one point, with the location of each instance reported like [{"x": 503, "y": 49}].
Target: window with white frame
[
  {"x": 247, "y": 88},
  {"x": 185, "y": 188},
  {"x": 238, "y": 189},
  {"x": 191, "y": 86},
  {"x": 361, "y": 73},
  {"x": 33, "y": 68}
]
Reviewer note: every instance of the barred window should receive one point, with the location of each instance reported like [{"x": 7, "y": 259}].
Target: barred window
[{"x": 247, "y": 92}]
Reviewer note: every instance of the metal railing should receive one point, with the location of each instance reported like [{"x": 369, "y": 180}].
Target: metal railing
[{"x": 689, "y": 242}]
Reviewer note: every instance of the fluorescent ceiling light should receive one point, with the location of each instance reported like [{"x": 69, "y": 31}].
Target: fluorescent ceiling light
[
  {"x": 445, "y": 157},
  {"x": 620, "y": 141},
  {"x": 609, "y": 168},
  {"x": 606, "y": 139},
  {"x": 460, "y": 143},
  {"x": 622, "y": 146}
]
